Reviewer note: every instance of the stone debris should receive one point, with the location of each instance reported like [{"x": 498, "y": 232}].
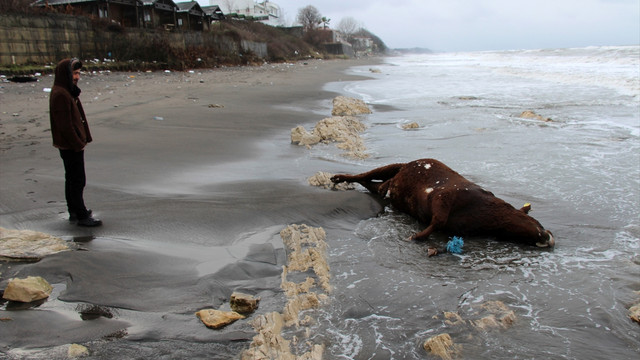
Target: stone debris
[
  {"x": 306, "y": 248},
  {"x": 216, "y": 319},
  {"x": 29, "y": 245},
  {"x": 347, "y": 106},
  {"x": 92, "y": 311},
  {"x": 32, "y": 288},
  {"x": 528, "y": 114},
  {"x": 323, "y": 179},
  {"x": 243, "y": 303},
  {"x": 442, "y": 346}
]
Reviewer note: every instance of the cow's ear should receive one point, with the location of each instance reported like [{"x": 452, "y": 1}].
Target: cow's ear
[{"x": 525, "y": 209}]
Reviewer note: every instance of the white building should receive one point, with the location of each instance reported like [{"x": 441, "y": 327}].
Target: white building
[{"x": 264, "y": 11}]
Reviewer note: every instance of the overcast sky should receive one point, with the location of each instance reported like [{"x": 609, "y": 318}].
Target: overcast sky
[{"x": 468, "y": 25}]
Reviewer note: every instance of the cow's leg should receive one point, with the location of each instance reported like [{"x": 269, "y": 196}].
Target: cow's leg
[
  {"x": 371, "y": 180},
  {"x": 440, "y": 210}
]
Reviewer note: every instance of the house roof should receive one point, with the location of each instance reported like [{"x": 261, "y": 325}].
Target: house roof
[
  {"x": 65, "y": 2},
  {"x": 188, "y": 5},
  {"x": 214, "y": 11},
  {"x": 153, "y": 2}
]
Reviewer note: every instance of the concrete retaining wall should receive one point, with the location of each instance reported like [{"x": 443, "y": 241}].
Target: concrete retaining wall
[{"x": 49, "y": 38}]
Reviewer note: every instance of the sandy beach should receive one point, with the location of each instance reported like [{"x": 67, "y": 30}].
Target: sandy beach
[{"x": 194, "y": 176}]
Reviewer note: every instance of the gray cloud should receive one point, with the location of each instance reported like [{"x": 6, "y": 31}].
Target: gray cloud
[{"x": 467, "y": 25}]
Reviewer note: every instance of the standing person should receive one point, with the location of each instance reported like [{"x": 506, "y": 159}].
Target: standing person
[{"x": 70, "y": 132}]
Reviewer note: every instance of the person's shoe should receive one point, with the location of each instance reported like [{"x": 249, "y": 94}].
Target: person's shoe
[
  {"x": 73, "y": 217},
  {"x": 90, "y": 222}
]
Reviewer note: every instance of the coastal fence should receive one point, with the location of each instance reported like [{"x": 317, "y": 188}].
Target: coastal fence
[{"x": 46, "y": 39}]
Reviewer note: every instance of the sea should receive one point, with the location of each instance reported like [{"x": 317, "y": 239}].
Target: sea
[{"x": 579, "y": 168}]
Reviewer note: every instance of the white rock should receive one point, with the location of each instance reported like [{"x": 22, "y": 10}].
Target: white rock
[{"x": 32, "y": 288}]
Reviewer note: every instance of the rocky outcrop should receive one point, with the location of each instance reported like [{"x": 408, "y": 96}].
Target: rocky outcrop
[
  {"x": 346, "y": 106},
  {"x": 306, "y": 252},
  {"x": 29, "y": 245},
  {"x": 32, "y": 288},
  {"x": 216, "y": 319}
]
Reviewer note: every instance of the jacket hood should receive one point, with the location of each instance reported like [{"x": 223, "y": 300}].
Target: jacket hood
[
  {"x": 64, "y": 77},
  {"x": 63, "y": 74}
]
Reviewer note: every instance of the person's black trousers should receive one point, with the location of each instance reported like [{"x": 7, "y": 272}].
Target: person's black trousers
[{"x": 75, "y": 181}]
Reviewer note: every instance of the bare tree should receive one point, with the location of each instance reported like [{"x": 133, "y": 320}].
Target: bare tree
[
  {"x": 349, "y": 26},
  {"x": 309, "y": 17},
  {"x": 15, "y": 6}
]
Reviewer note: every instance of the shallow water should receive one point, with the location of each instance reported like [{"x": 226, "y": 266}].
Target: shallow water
[{"x": 580, "y": 172}]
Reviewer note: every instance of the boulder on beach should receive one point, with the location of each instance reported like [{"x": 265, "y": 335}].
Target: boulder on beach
[
  {"x": 243, "y": 303},
  {"x": 347, "y": 106},
  {"x": 216, "y": 319},
  {"x": 29, "y": 245},
  {"x": 32, "y": 288},
  {"x": 528, "y": 114}
]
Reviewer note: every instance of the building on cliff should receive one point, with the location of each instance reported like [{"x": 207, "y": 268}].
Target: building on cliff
[
  {"x": 266, "y": 12},
  {"x": 149, "y": 14}
]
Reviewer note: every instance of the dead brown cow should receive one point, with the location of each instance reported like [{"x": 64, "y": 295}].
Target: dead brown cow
[{"x": 434, "y": 194}]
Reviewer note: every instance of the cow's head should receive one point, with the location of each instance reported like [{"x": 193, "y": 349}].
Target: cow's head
[{"x": 524, "y": 229}]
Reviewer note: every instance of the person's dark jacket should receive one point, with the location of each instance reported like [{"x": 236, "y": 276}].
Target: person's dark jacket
[{"x": 69, "y": 127}]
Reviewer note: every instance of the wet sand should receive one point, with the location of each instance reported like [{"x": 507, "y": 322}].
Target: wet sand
[{"x": 194, "y": 176}]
